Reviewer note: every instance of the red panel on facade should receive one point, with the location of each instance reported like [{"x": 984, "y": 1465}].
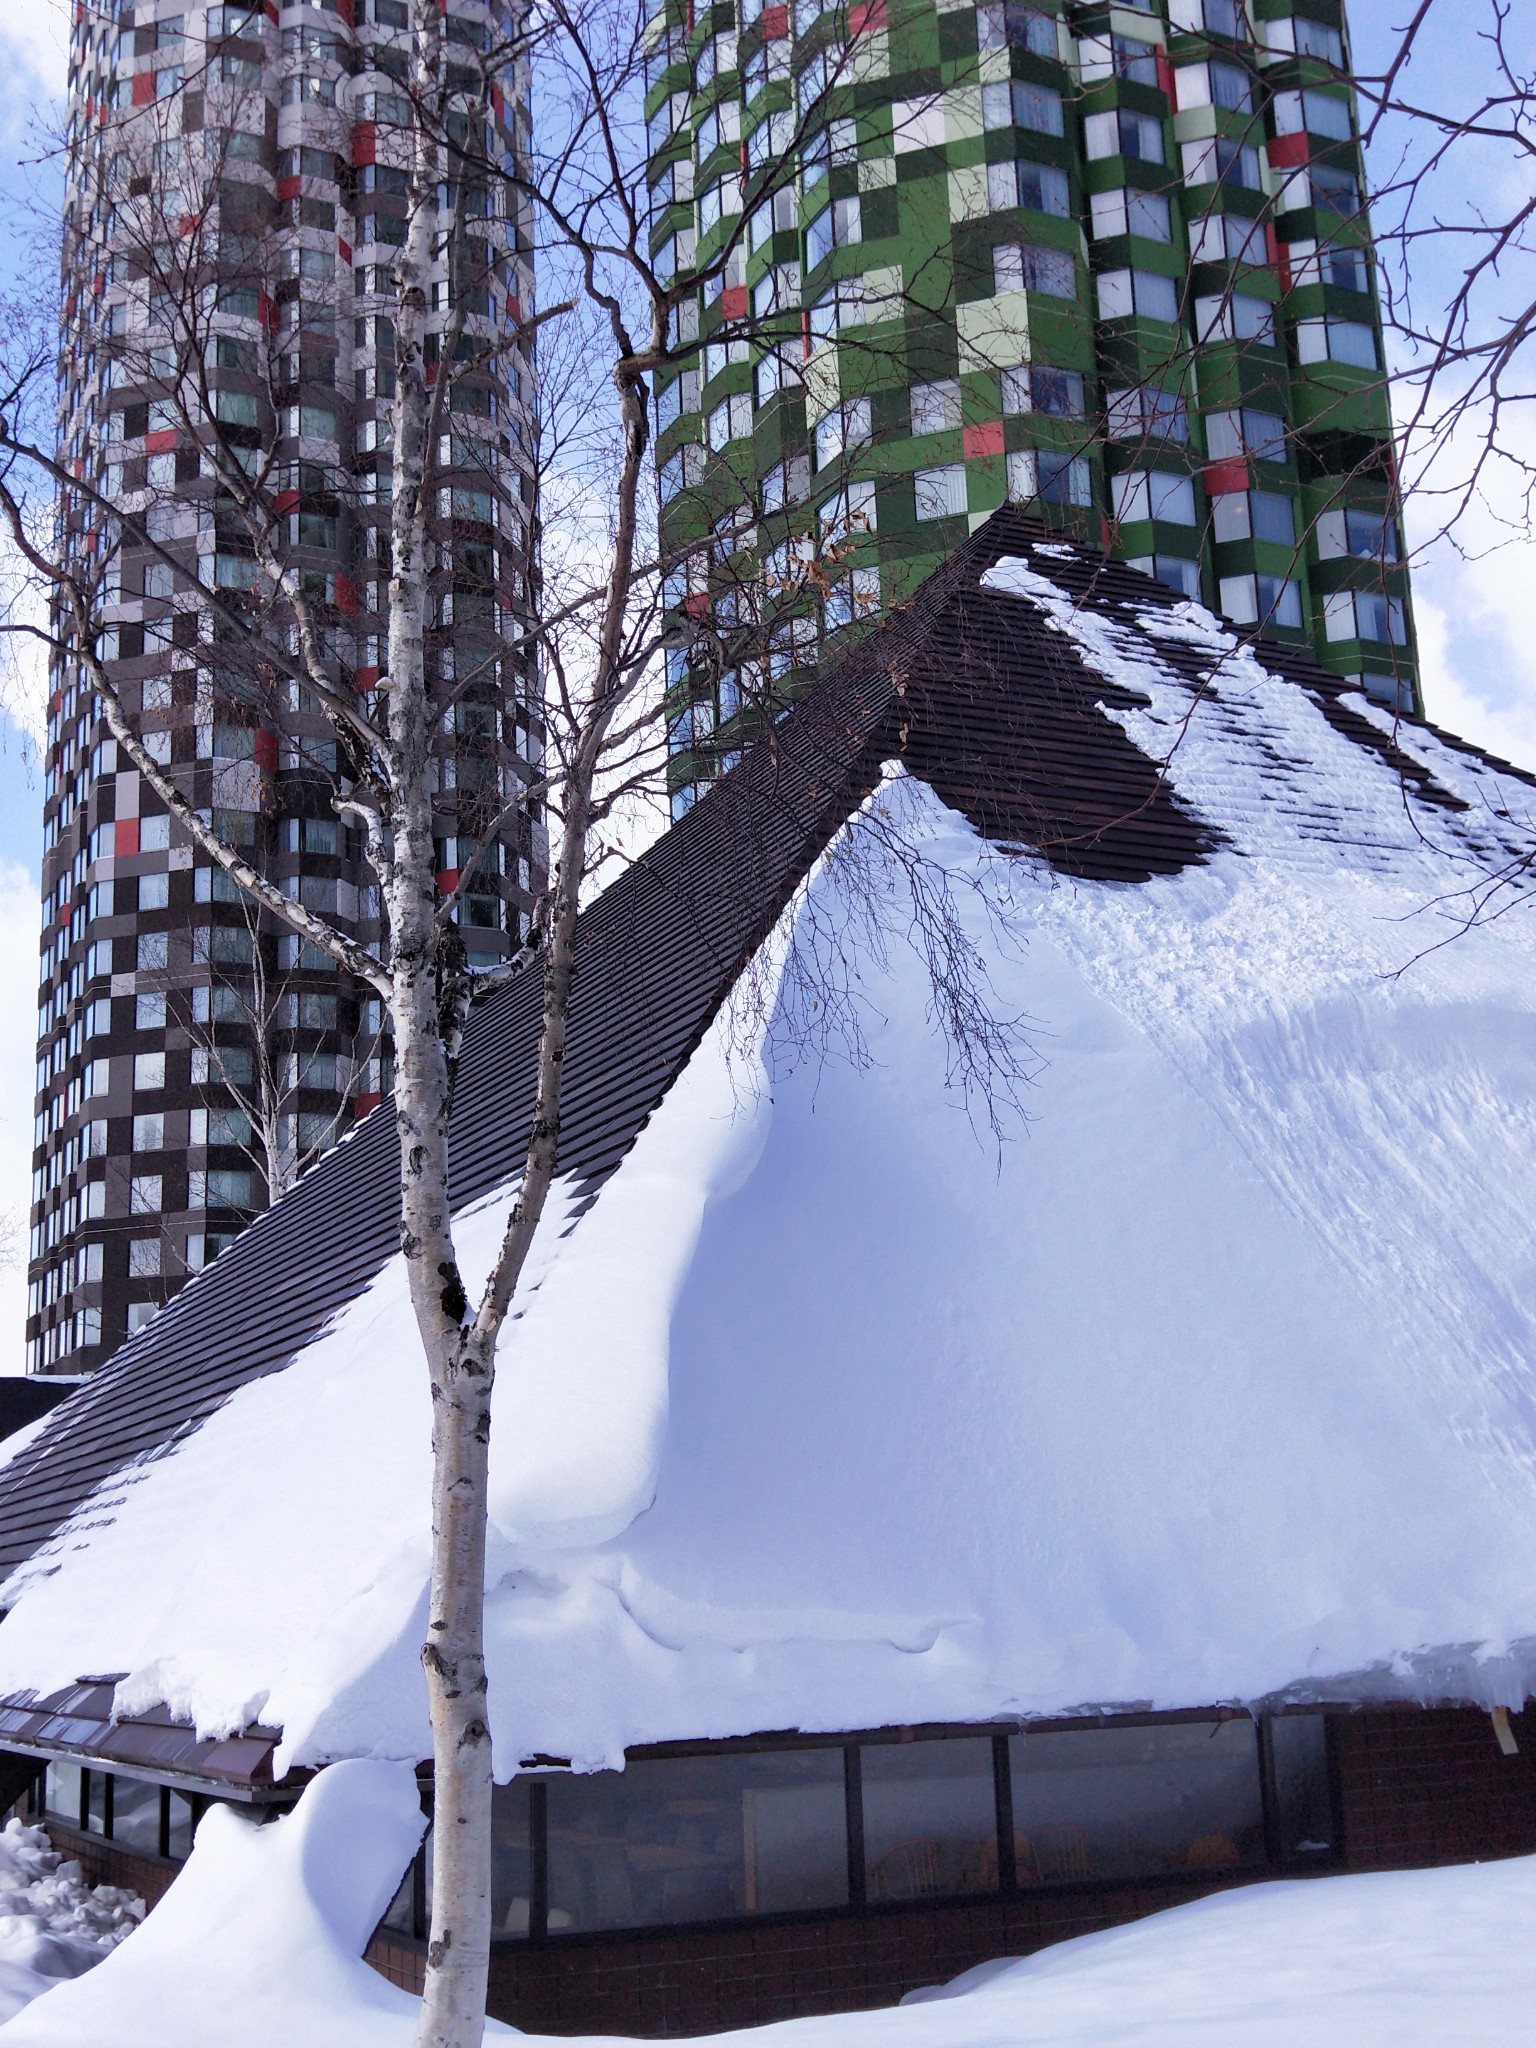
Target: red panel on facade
[
  {"x": 266, "y": 752},
  {"x": 365, "y": 678},
  {"x": 364, "y": 136},
  {"x": 144, "y": 89},
  {"x": 447, "y": 881},
  {"x": 346, "y": 594},
  {"x": 775, "y": 23},
  {"x": 287, "y": 188},
  {"x": 733, "y": 302},
  {"x": 1285, "y": 150},
  {"x": 1222, "y": 478},
  {"x": 125, "y": 836},
  {"x": 344, "y": 250},
  {"x": 986, "y": 439},
  {"x": 866, "y": 15},
  {"x": 161, "y": 441},
  {"x": 1166, "y": 78}
]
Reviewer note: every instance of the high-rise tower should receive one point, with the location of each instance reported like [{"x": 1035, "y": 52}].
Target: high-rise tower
[
  {"x": 236, "y": 188},
  {"x": 1113, "y": 262}
]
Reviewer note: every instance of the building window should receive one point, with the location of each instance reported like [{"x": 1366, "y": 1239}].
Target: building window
[
  {"x": 1337, "y": 341},
  {"x": 1041, "y": 187},
  {"x": 143, "y": 1258},
  {"x": 1144, "y": 294},
  {"x": 1037, "y": 387},
  {"x": 1262, "y": 600},
  {"x": 1235, "y": 316},
  {"x": 1255, "y": 515},
  {"x": 1007, "y": 24},
  {"x": 1153, "y": 494},
  {"x": 1030, "y": 266},
  {"x": 1139, "y": 412},
  {"x": 1123, "y": 1802},
  {"x": 930, "y": 1818},
  {"x": 697, "y": 1838},
  {"x": 1128, "y": 212},
  {"x": 1049, "y": 474},
  {"x": 1216, "y": 160},
  {"x": 940, "y": 493},
  {"x": 1365, "y": 615},
  {"x": 1369, "y": 536},
  {"x": 1230, "y": 436},
  {"x": 936, "y": 407},
  {"x": 1122, "y": 133}
]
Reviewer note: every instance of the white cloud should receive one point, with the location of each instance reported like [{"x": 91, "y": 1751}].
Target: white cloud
[{"x": 35, "y": 36}]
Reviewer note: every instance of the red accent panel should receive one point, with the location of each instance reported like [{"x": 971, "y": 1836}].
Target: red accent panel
[
  {"x": 346, "y": 594},
  {"x": 865, "y": 15},
  {"x": 1279, "y": 256},
  {"x": 733, "y": 302},
  {"x": 498, "y": 103},
  {"x": 286, "y": 501},
  {"x": 365, "y": 678},
  {"x": 775, "y": 23},
  {"x": 986, "y": 439},
  {"x": 266, "y": 752},
  {"x": 144, "y": 89},
  {"x": 1286, "y": 150},
  {"x": 125, "y": 836},
  {"x": 344, "y": 249},
  {"x": 1106, "y": 533},
  {"x": 696, "y": 604},
  {"x": 1222, "y": 478},
  {"x": 447, "y": 881},
  {"x": 161, "y": 442},
  {"x": 364, "y": 138},
  {"x": 1166, "y": 78},
  {"x": 365, "y": 1103},
  {"x": 347, "y": 12},
  {"x": 287, "y": 188}
]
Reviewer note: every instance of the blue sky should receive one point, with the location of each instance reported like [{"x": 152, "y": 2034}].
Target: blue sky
[{"x": 1472, "y": 606}]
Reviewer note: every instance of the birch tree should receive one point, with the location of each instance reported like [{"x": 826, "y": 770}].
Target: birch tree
[{"x": 595, "y": 612}]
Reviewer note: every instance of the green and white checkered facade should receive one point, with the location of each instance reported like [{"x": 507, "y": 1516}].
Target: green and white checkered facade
[{"x": 1108, "y": 262}]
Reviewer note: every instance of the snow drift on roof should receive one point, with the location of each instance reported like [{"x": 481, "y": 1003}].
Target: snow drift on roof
[{"x": 1213, "y": 1383}]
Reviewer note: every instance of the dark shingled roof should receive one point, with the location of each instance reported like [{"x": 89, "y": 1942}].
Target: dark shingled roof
[{"x": 972, "y": 690}]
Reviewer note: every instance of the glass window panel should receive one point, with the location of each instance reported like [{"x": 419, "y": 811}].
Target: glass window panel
[
  {"x": 63, "y": 1795},
  {"x": 96, "y": 1802},
  {"x": 511, "y": 1858},
  {"x": 697, "y": 1838},
  {"x": 1134, "y": 1802},
  {"x": 930, "y": 1818},
  {"x": 181, "y": 1826},
  {"x": 1298, "y": 1752},
  {"x": 136, "y": 1815}
]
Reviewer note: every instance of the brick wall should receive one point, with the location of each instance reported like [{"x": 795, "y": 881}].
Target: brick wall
[
  {"x": 106, "y": 1863},
  {"x": 1432, "y": 1786}
]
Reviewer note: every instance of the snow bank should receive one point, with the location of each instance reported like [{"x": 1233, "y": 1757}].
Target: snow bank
[
  {"x": 52, "y": 1926},
  {"x": 255, "y": 1946},
  {"x": 258, "y": 1943},
  {"x": 1215, "y": 1385}
]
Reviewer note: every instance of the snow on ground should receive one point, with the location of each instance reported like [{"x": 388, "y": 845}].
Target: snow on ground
[
  {"x": 52, "y": 1926},
  {"x": 258, "y": 1942},
  {"x": 1214, "y": 1384},
  {"x": 256, "y": 1945}
]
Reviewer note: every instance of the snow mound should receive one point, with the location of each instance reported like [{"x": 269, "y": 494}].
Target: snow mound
[
  {"x": 52, "y": 1925},
  {"x": 259, "y": 1941}
]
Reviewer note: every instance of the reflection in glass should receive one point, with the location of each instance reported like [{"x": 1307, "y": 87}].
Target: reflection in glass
[
  {"x": 180, "y": 1841},
  {"x": 511, "y": 1858},
  {"x": 1298, "y": 1753},
  {"x": 1136, "y": 1802},
  {"x": 930, "y": 1818},
  {"x": 63, "y": 1794},
  {"x": 697, "y": 1838},
  {"x": 136, "y": 1815}
]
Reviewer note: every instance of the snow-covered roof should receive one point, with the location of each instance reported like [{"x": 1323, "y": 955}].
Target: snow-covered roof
[{"x": 823, "y": 1409}]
